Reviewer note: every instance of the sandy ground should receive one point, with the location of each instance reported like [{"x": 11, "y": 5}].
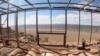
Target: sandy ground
[{"x": 72, "y": 37}]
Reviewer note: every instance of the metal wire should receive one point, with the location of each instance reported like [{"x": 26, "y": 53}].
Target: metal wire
[
  {"x": 91, "y": 26},
  {"x": 79, "y": 27},
  {"x": 51, "y": 20},
  {"x": 25, "y": 24},
  {"x": 65, "y": 35},
  {"x": 16, "y": 25},
  {"x": 37, "y": 36},
  {"x": 49, "y": 3},
  {"x": 11, "y": 4},
  {"x": 4, "y": 21},
  {"x": 37, "y": 30},
  {"x": 30, "y": 3},
  {"x": 0, "y": 28},
  {"x": 8, "y": 20},
  {"x": 88, "y": 4}
]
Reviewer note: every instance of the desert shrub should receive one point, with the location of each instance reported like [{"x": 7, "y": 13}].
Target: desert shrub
[
  {"x": 46, "y": 39},
  {"x": 31, "y": 38}
]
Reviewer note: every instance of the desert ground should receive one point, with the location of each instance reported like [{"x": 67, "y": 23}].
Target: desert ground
[
  {"x": 71, "y": 36},
  {"x": 72, "y": 39}
]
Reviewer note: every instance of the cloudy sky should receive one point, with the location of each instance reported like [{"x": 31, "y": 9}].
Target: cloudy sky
[{"x": 58, "y": 16}]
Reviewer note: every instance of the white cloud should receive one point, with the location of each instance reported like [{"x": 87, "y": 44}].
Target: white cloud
[
  {"x": 43, "y": 19},
  {"x": 73, "y": 18},
  {"x": 60, "y": 19}
]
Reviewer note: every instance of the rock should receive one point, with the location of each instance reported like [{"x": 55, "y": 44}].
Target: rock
[
  {"x": 75, "y": 52},
  {"x": 93, "y": 51},
  {"x": 31, "y": 53},
  {"x": 64, "y": 52},
  {"x": 13, "y": 53},
  {"x": 85, "y": 54},
  {"x": 50, "y": 54}
]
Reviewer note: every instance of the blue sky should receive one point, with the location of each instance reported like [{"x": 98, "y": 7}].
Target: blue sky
[{"x": 58, "y": 15}]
